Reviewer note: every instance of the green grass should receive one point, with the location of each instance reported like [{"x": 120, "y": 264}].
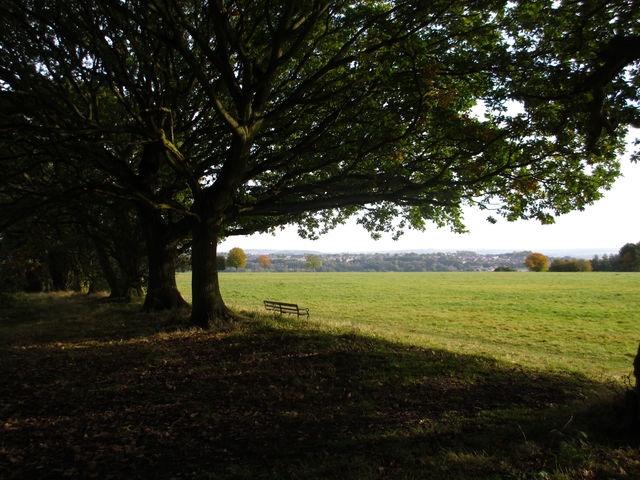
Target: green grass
[
  {"x": 396, "y": 376},
  {"x": 97, "y": 390},
  {"x": 578, "y": 322}
]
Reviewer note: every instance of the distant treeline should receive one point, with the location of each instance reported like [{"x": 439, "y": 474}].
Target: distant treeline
[
  {"x": 463, "y": 261},
  {"x": 627, "y": 260}
]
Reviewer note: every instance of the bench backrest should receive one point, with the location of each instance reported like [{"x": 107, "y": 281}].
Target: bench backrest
[{"x": 280, "y": 306}]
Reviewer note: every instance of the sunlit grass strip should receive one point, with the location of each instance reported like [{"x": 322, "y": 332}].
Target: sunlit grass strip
[{"x": 582, "y": 322}]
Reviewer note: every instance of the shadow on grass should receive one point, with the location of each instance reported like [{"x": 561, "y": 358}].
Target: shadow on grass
[
  {"x": 280, "y": 399},
  {"x": 65, "y": 317}
]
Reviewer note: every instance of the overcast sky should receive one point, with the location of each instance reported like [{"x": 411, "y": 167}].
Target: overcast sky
[{"x": 608, "y": 224}]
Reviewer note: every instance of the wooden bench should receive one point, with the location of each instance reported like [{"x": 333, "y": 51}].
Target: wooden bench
[{"x": 285, "y": 308}]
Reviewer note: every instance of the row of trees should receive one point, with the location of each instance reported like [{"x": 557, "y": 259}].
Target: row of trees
[
  {"x": 627, "y": 260},
  {"x": 89, "y": 251},
  {"x": 237, "y": 258},
  {"x": 144, "y": 128},
  {"x": 537, "y": 262}
]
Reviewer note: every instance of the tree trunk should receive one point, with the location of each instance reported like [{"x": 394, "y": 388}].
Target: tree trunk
[
  {"x": 94, "y": 287},
  {"x": 130, "y": 268},
  {"x": 208, "y": 308},
  {"x": 162, "y": 291},
  {"x": 117, "y": 287},
  {"x": 59, "y": 268}
]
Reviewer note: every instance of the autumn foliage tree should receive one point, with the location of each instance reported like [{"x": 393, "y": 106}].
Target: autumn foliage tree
[
  {"x": 537, "y": 262},
  {"x": 264, "y": 261},
  {"x": 236, "y": 258}
]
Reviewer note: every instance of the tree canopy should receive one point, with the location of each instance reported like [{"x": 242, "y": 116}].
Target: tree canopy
[
  {"x": 537, "y": 262},
  {"x": 236, "y": 258},
  {"x": 629, "y": 257},
  {"x": 570, "y": 265},
  {"x": 219, "y": 118},
  {"x": 313, "y": 262},
  {"x": 264, "y": 261},
  {"x": 626, "y": 260}
]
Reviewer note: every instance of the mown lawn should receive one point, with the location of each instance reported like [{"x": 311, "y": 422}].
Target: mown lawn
[
  {"x": 93, "y": 389},
  {"x": 576, "y": 322}
]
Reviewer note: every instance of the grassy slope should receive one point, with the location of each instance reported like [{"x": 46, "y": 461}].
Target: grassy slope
[{"x": 587, "y": 323}]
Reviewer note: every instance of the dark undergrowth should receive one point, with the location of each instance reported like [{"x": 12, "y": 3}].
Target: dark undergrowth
[{"x": 98, "y": 390}]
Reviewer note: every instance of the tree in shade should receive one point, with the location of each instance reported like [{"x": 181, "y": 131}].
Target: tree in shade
[{"x": 221, "y": 262}]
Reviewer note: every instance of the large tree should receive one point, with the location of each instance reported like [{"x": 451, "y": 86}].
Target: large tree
[{"x": 252, "y": 115}]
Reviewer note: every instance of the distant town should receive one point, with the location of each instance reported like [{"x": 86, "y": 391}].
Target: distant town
[
  {"x": 391, "y": 262},
  {"x": 397, "y": 261}
]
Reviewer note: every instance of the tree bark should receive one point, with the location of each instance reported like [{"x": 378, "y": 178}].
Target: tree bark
[
  {"x": 162, "y": 291},
  {"x": 122, "y": 274},
  {"x": 59, "y": 269},
  {"x": 208, "y": 308},
  {"x": 108, "y": 272},
  {"x": 130, "y": 268}
]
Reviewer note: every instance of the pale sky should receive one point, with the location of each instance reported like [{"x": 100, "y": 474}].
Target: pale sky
[{"x": 608, "y": 224}]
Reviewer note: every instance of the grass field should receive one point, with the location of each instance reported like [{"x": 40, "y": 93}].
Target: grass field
[
  {"x": 579, "y": 322},
  {"x": 396, "y": 376}
]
